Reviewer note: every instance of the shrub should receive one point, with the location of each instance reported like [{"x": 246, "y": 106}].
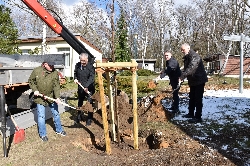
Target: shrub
[
  {"x": 125, "y": 73},
  {"x": 144, "y": 72}
]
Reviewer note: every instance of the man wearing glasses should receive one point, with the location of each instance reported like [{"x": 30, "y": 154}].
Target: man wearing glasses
[{"x": 84, "y": 76}]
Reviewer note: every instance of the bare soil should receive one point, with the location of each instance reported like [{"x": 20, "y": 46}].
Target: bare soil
[{"x": 161, "y": 142}]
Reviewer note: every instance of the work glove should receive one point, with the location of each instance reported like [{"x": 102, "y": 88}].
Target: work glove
[
  {"x": 36, "y": 93},
  {"x": 75, "y": 81}
]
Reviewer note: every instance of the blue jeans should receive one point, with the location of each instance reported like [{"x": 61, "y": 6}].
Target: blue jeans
[{"x": 41, "y": 118}]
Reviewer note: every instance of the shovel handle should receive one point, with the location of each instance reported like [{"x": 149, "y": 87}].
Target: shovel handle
[
  {"x": 47, "y": 97},
  {"x": 82, "y": 87}
]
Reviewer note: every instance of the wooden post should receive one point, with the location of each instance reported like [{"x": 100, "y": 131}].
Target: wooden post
[
  {"x": 104, "y": 111},
  {"x": 117, "y": 112},
  {"x": 111, "y": 107},
  {"x": 134, "y": 86}
]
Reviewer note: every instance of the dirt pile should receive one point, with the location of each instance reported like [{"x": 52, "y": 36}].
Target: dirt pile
[
  {"x": 152, "y": 84},
  {"x": 149, "y": 110}
]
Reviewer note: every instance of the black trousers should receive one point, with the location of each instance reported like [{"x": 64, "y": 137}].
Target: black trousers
[
  {"x": 195, "y": 100},
  {"x": 81, "y": 96},
  {"x": 176, "y": 98}
]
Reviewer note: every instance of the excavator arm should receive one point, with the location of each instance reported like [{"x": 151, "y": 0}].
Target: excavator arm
[{"x": 58, "y": 27}]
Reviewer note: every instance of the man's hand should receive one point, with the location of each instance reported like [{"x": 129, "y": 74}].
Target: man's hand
[
  {"x": 75, "y": 81},
  {"x": 36, "y": 93},
  {"x": 58, "y": 101},
  {"x": 86, "y": 90}
]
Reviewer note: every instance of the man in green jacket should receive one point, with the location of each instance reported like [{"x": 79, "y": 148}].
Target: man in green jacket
[{"x": 45, "y": 80}]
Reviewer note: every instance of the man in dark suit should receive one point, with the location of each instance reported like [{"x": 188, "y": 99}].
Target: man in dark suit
[
  {"x": 84, "y": 74},
  {"x": 173, "y": 71},
  {"x": 196, "y": 75}
]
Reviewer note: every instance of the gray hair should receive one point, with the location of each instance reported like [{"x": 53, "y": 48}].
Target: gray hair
[
  {"x": 85, "y": 55},
  {"x": 186, "y": 45}
]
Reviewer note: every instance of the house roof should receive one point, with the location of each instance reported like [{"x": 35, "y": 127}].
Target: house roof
[{"x": 38, "y": 39}]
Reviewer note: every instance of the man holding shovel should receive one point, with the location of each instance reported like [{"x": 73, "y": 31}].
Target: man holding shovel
[
  {"x": 84, "y": 76},
  {"x": 173, "y": 71},
  {"x": 45, "y": 80}
]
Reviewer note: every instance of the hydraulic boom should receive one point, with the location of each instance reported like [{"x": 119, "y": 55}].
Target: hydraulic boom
[{"x": 58, "y": 27}]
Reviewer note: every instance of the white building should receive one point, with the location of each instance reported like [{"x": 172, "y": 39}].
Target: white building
[
  {"x": 57, "y": 45},
  {"x": 148, "y": 64}
]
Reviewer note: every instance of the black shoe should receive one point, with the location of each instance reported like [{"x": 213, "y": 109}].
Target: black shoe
[
  {"x": 188, "y": 116},
  {"x": 195, "y": 120},
  {"x": 78, "y": 119},
  {"x": 88, "y": 123},
  {"x": 62, "y": 133},
  {"x": 171, "y": 108},
  {"x": 44, "y": 138},
  {"x": 175, "y": 111}
]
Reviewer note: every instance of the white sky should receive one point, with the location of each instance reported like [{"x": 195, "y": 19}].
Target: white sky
[{"x": 71, "y": 2}]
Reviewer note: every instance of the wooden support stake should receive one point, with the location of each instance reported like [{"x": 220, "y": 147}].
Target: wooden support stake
[
  {"x": 111, "y": 107},
  {"x": 104, "y": 111},
  {"x": 117, "y": 111},
  {"x": 134, "y": 86},
  {"x": 117, "y": 64}
]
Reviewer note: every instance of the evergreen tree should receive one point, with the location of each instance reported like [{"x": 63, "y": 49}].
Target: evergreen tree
[
  {"x": 8, "y": 32},
  {"x": 121, "y": 50}
]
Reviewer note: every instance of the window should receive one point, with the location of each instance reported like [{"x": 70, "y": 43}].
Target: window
[{"x": 66, "y": 51}]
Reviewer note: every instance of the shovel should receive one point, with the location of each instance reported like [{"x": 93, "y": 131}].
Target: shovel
[
  {"x": 47, "y": 97},
  {"x": 84, "y": 88},
  {"x": 178, "y": 86},
  {"x": 19, "y": 135}
]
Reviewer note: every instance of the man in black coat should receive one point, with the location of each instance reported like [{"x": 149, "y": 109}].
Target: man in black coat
[
  {"x": 173, "y": 71},
  {"x": 84, "y": 74},
  {"x": 196, "y": 75}
]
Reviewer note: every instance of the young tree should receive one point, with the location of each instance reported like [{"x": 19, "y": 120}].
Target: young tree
[
  {"x": 8, "y": 32},
  {"x": 122, "y": 50}
]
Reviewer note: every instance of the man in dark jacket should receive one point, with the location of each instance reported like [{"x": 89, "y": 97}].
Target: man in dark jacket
[
  {"x": 173, "y": 71},
  {"x": 196, "y": 75},
  {"x": 84, "y": 74},
  {"x": 44, "y": 80}
]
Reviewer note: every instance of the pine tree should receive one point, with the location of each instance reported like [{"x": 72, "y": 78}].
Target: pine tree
[
  {"x": 8, "y": 32},
  {"x": 121, "y": 50}
]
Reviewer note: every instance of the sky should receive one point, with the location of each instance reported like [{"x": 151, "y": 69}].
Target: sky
[{"x": 71, "y": 2}]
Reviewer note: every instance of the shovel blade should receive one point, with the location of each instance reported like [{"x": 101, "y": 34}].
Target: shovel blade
[{"x": 19, "y": 136}]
